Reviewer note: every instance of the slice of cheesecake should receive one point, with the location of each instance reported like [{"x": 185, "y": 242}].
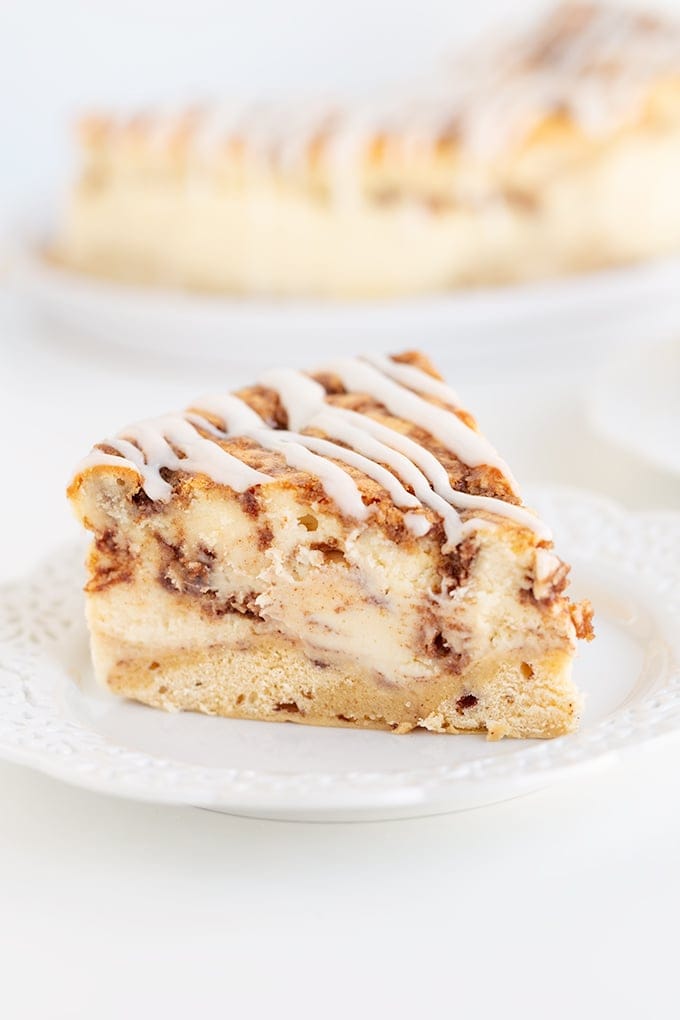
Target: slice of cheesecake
[{"x": 340, "y": 548}]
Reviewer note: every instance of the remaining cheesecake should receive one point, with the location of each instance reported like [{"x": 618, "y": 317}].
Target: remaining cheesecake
[
  {"x": 551, "y": 151},
  {"x": 342, "y": 548}
]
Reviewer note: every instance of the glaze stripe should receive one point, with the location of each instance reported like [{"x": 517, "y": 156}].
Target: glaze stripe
[{"x": 389, "y": 457}]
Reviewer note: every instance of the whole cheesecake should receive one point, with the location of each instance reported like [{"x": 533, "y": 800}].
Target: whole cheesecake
[{"x": 550, "y": 151}]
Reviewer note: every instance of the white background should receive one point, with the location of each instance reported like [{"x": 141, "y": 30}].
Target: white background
[{"x": 563, "y": 904}]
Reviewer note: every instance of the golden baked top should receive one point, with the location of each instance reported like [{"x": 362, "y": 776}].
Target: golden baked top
[{"x": 379, "y": 439}]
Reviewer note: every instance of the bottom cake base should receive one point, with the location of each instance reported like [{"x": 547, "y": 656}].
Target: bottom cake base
[{"x": 274, "y": 680}]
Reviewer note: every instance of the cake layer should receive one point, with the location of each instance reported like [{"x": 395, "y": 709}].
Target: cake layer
[{"x": 277, "y": 681}]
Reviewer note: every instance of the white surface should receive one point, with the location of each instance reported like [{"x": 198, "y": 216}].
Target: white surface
[
  {"x": 554, "y": 322},
  {"x": 54, "y": 718},
  {"x": 634, "y": 401}
]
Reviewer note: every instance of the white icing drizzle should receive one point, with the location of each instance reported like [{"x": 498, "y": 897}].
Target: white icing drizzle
[
  {"x": 389, "y": 457},
  {"x": 437, "y": 477},
  {"x": 469, "y": 446},
  {"x": 305, "y": 403},
  {"x": 97, "y": 458},
  {"x": 149, "y": 446},
  {"x": 301, "y": 396},
  {"x": 400, "y": 496},
  {"x": 413, "y": 378},
  {"x": 417, "y": 524},
  {"x": 144, "y": 463},
  {"x": 348, "y": 428},
  {"x": 235, "y": 414},
  {"x": 240, "y": 419},
  {"x": 298, "y": 452},
  {"x": 158, "y": 437}
]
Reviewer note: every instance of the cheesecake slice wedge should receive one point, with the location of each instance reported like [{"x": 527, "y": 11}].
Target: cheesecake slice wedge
[{"x": 338, "y": 548}]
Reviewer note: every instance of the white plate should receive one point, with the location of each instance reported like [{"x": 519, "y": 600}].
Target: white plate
[
  {"x": 571, "y": 318},
  {"x": 635, "y": 402},
  {"x": 54, "y": 719}
]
